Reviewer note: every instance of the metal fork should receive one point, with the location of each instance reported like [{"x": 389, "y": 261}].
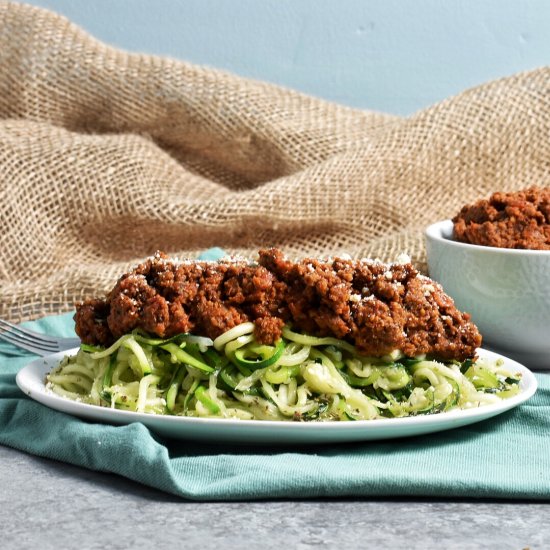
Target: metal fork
[{"x": 40, "y": 344}]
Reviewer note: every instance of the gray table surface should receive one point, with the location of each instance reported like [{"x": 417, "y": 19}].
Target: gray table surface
[{"x": 50, "y": 505}]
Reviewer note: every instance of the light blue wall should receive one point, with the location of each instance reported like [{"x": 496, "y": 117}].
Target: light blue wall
[{"x": 389, "y": 55}]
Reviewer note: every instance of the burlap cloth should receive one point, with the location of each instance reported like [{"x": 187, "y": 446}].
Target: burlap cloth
[{"x": 107, "y": 156}]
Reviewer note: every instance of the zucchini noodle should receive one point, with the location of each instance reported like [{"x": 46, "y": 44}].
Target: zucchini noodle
[{"x": 300, "y": 377}]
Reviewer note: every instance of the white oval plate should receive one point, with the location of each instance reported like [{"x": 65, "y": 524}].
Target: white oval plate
[{"x": 31, "y": 380}]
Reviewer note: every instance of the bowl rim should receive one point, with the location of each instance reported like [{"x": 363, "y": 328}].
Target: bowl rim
[{"x": 441, "y": 231}]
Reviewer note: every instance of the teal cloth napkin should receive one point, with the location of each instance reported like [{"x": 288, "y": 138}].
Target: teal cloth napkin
[{"x": 505, "y": 457}]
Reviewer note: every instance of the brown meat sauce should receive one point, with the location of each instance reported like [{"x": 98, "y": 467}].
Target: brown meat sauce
[
  {"x": 377, "y": 307},
  {"x": 507, "y": 220}
]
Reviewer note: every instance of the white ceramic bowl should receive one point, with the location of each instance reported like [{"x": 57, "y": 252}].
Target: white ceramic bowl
[{"x": 506, "y": 291}]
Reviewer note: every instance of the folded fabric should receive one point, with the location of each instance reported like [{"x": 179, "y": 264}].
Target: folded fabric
[{"x": 506, "y": 457}]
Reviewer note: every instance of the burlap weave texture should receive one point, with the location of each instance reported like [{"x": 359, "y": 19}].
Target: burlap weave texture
[{"x": 107, "y": 156}]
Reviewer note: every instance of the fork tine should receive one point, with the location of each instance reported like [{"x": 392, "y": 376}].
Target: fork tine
[
  {"x": 41, "y": 344},
  {"x": 25, "y": 345},
  {"x": 26, "y": 333},
  {"x": 15, "y": 338},
  {"x": 20, "y": 336}
]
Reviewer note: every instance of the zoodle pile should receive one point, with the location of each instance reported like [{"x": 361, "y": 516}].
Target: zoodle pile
[{"x": 301, "y": 377}]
